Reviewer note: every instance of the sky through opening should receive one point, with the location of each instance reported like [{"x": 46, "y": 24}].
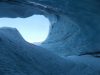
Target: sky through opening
[{"x": 33, "y": 29}]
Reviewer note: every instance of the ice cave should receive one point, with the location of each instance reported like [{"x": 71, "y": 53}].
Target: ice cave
[{"x": 72, "y": 46}]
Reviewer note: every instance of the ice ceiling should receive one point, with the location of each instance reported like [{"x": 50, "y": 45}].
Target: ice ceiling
[
  {"x": 75, "y": 25},
  {"x": 74, "y": 36}
]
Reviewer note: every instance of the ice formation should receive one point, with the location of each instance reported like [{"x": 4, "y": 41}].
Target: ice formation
[{"x": 73, "y": 44}]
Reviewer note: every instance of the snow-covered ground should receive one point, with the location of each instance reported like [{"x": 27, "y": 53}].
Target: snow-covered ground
[{"x": 18, "y": 57}]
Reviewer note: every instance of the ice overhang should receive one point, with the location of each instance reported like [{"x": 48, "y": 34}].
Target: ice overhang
[{"x": 75, "y": 24}]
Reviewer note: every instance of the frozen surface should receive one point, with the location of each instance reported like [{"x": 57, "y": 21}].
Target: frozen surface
[
  {"x": 75, "y": 29},
  {"x": 74, "y": 36},
  {"x": 17, "y": 57}
]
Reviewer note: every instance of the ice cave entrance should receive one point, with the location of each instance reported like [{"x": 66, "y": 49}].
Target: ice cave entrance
[{"x": 34, "y": 29}]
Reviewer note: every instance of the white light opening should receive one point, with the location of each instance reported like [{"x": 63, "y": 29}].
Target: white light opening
[{"x": 34, "y": 29}]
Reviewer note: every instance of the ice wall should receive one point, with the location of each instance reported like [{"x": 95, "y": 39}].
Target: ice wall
[
  {"x": 75, "y": 24},
  {"x": 77, "y": 31},
  {"x": 18, "y": 57}
]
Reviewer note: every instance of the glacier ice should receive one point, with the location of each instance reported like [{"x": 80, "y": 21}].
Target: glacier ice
[
  {"x": 73, "y": 44},
  {"x": 18, "y": 57}
]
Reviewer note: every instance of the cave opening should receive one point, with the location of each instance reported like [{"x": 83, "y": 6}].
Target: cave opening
[{"x": 34, "y": 29}]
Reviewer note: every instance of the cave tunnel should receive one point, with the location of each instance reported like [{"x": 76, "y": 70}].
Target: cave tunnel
[
  {"x": 74, "y": 26},
  {"x": 73, "y": 30}
]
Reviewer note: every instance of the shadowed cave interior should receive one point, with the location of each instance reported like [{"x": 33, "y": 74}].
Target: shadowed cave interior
[{"x": 71, "y": 48}]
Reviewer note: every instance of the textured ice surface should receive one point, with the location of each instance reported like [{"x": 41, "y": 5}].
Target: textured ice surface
[
  {"x": 17, "y": 57},
  {"x": 75, "y": 30}
]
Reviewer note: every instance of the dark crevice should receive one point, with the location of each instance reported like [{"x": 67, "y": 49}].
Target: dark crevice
[
  {"x": 0, "y": 39},
  {"x": 95, "y": 54}
]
